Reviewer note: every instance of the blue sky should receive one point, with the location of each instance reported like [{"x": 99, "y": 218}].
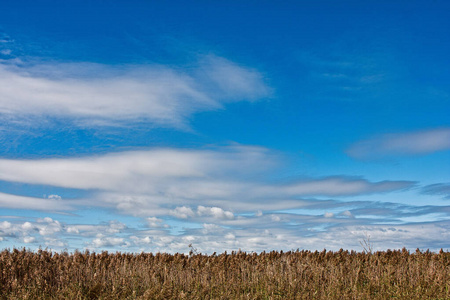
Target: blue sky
[{"x": 151, "y": 125}]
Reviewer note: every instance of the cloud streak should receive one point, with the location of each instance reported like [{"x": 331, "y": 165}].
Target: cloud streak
[
  {"x": 216, "y": 182},
  {"x": 22, "y": 202},
  {"x": 442, "y": 189},
  {"x": 131, "y": 171},
  {"x": 413, "y": 143},
  {"x": 95, "y": 95}
]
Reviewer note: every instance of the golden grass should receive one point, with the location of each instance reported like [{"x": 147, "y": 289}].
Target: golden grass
[{"x": 275, "y": 275}]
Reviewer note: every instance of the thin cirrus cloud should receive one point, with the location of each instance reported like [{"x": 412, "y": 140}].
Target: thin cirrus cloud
[
  {"x": 442, "y": 189},
  {"x": 343, "y": 186},
  {"x": 413, "y": 143},
  {"x": 94, "y": 94}
]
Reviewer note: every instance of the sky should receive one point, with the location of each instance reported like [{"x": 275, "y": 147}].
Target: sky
[{"x": 256, "y": 125}]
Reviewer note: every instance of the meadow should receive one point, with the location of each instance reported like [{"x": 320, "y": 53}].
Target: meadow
[{"x": 396, "y": 274}]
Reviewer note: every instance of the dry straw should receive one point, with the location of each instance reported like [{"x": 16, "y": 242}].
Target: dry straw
[{"x": 274, "y": 275}]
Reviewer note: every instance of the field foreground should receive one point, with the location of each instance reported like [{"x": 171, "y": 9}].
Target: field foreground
[{"x": 275, "y": 275}]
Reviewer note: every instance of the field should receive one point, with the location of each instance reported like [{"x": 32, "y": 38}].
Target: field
[{"x": 274, "y": 275}]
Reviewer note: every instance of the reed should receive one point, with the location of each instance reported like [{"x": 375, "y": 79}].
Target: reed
[{"x": 238, "y": 275}]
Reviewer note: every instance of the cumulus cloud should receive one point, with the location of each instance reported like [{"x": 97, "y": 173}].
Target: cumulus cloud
[
  {"x": 89, "y": 230},
  {"x": 32, "y": 231},
  {"x": 55, "y": 197},
  {"x": 93, "y": 94},
  {"x": 283, "y": 231},
  {"x": 347, "y": 214},
  {"x": 215, "y": 212},
  {"x": 5, "y": 225},
  {"x": 413, "y": 143},
  {"x": 154, "y": 222},
  {"x": 108, "y": 242},
  {"x": 48, "y": 226},
  {"x": 275, "y": 218},
  {"x": 59, "y": 235},
  {"x": 29, "y": 239},
  {"x": 211, "y": 228},
  {"x": 182, "y": 212},
  {"x": 141, "y": 241}
]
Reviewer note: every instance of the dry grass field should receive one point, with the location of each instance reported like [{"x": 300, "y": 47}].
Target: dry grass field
[{"x": 275, "y": 275}]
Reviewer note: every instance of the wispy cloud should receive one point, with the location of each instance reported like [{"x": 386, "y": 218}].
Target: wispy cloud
[
  {"x": 22, "y": 202},
  {"x": 94, "y": 95},
  {"x": 442, "y": 189},
  {"x": 215, "y": 182},
  {"x": 347, "y": 71},
  {"x": 133, "y": 170},
  {"x": 412, "y": 143},
  {"x": 343, "y": 186}
]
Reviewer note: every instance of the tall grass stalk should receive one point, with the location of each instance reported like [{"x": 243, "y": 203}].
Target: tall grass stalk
[{"x": 297, "y": 274}]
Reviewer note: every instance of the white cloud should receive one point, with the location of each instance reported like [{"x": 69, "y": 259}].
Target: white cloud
[
  {"x": 55, "y": 197},
  {"x": 420, "y": 142},
  {"x": 48, "y": 226},
  {"x": 72, "y": 230},
  {"x": 346, "y": 213},
  {"x": 27, "y": 226},
  {"x": 22, "y": 202},
  {"x": 115, "y": 227},
  {"x": 55, "y": 242},
  {"x": 182, "y": 212},
  {"x": 343, "y": 186},
  {"x": 211, "y": 228},
  {"x": 206, "y": 183},
  {"x": 215, "y": 212},
  {"x": 41, "y": 231},
  {"x": 154, "y": 222},
  {"x": 5, "y": 225},
  {"x": 141, "y": 241},
  {"x": 93, "y": 94},
  {"x": 248, "y": 233},
  {"x": 132, "y": 171},
  {"x": 108, "y": 242},
  {"x": 230, "y": 236},
  {"x": 328, "y": 215},
  {"x": 89, "y": 230},
  {"x": 29, "y": 239},
  {"x": 275, "y": 218},
  {"x": 234, "y": 81}
]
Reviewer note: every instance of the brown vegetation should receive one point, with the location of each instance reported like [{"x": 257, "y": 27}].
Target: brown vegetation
[{"x": 275, "y": 275}]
